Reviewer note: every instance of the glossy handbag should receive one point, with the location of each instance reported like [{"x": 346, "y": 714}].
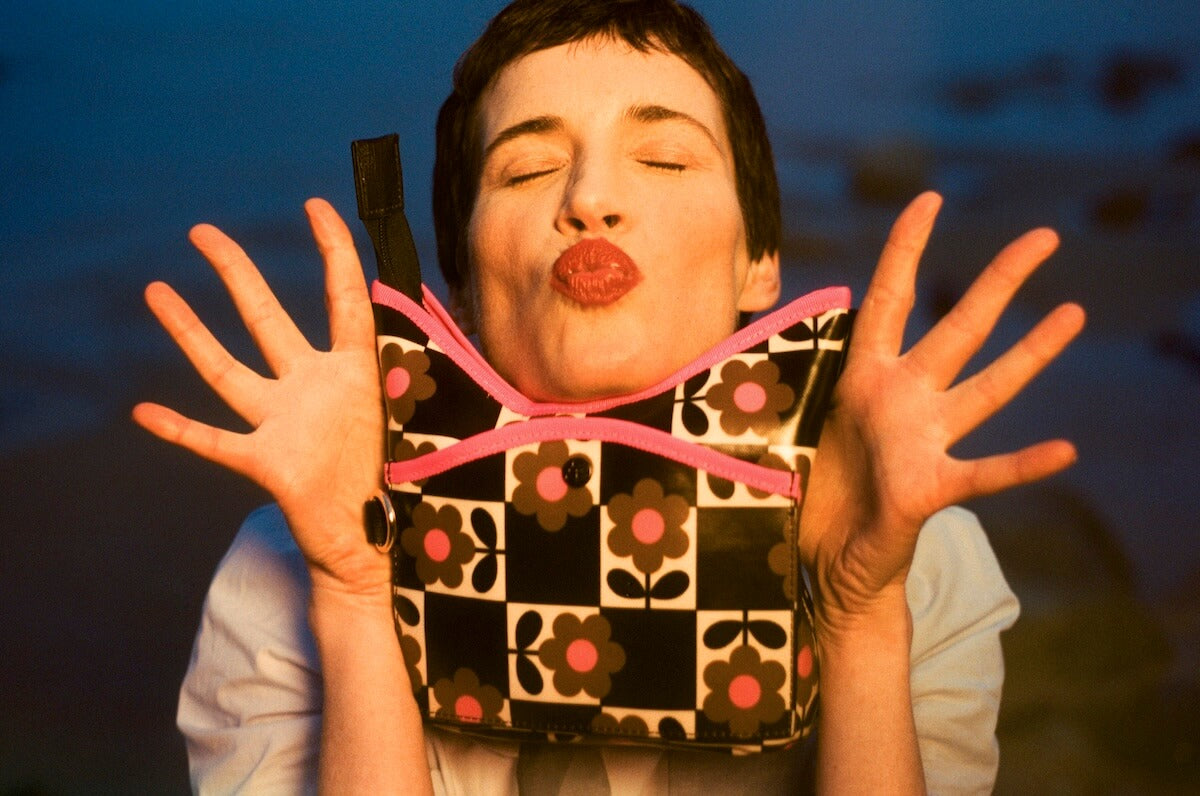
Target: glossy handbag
[{"x": 620, "y": 569}]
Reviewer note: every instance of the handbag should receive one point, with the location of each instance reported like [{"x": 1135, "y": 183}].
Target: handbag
[{"x": 622, "y": 569}]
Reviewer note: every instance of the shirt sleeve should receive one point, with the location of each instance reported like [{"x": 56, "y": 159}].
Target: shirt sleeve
[
  {"x": 960, "y": 603},
  {"x": 250, "y": 703}
]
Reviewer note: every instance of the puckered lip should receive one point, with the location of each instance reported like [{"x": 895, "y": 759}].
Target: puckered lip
[{"x": 595, "y": 272}]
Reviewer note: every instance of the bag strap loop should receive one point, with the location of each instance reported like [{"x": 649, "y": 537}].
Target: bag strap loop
[{"x": 379, "y": 188}]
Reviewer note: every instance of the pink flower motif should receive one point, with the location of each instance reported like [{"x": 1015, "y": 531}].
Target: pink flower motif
[
  {"x": 435, "y": 539},
  {"x": 543, "y": 490},
  {"x": 464, "y": 698},
  {"x": 648, "y": 525},
  {"x": 581, "y": 655},
  {"x": 750, "y": 397},
  {"x": 404, "y": 380},
  {"x": 744, "y": 691},
  {"x": 807, "y": 667}
]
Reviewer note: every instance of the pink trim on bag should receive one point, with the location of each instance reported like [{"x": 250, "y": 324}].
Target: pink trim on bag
[
  {"x": 604, "y": 429},
  {"x": 438, "y": 325},
  {"x": 463, "y": 343}
]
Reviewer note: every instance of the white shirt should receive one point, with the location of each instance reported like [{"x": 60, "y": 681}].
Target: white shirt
[{"x": 250, "y": 705}]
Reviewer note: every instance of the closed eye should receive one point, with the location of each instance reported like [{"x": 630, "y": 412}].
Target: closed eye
[
  {"x": 527, "y": 177},
  {"x": 664, "y": 165}
]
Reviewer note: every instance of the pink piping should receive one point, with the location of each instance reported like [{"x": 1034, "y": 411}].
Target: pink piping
[
  {"x": 438, "y": 325},
  {"x": 605, "y": 429}
]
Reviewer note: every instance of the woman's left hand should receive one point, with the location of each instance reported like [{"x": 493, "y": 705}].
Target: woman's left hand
[{"x": 882, "y": 464}]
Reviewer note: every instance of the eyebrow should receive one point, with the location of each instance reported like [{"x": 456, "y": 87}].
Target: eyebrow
[
  {"x": 538, "y": 124},
  {"x": 646, "y": 114}
]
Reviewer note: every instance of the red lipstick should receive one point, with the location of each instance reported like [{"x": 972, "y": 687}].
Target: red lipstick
[{"x": 595, "y": 272}]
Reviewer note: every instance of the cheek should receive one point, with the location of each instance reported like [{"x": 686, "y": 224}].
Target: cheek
[
  {"x": 502, "y": 237},
  {"x": 707, "y": 234},
  {"x": 715, "y": 210},
  {"x": 492, "y": 253},
  {"x": 482, "y": 239},
  {"x": 503, "y": 284}
]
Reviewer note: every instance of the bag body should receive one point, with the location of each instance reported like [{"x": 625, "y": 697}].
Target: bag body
[{"x": 624, "y": 568}]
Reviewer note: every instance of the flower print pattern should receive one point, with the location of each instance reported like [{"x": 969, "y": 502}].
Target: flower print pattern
[
  {"x": 773, "y": 461},
  {"x": 581, "y": 655},
  {"x": 744, "y": 691},
  {"x": 542, "y": 489},
  {"x": 780, "y": 559},
  {"x": 405, "y": 380},
  {"x": 630, "y": 726},
  {"x": 404, "y": 450},
  {"x": 466, "y": 699},
  {"x": 435, "y": 539},
  {"x": 648, "y": 525},
  {"x": 807, "y": 666},
  {"x": 750, "y": 397},
  {"x": 410, "y": 650}
]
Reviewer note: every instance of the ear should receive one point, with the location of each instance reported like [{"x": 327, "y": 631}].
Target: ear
[
  {"x": 761, "y": 288},
  {"x": 462, "y": 307}
]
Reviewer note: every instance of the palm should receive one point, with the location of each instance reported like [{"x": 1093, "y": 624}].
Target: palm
[
  {"x": 882, "y": 466},
  {"x": 324, "y": 427},
  {"x": 317, "y": 425}
]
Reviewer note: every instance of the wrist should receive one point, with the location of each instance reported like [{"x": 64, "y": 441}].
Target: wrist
[
  {"x": 868, "y": 734},
  {"x": 351, "y": 575},
  {"x": 362, "y": 584},
  {"x": 342, "y": 563},
  {"x": 340, "y": 618},
  {"x": 882, "y": 626}
]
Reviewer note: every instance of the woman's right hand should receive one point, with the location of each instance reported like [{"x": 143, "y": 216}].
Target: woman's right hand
[{"x": 317, "y": 439}]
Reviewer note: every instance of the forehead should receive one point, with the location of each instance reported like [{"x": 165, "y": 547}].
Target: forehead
[{"x": 586, "y": 78}]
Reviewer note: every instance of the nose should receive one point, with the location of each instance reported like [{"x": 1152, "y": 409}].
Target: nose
[{"x": 592, "y": 199}]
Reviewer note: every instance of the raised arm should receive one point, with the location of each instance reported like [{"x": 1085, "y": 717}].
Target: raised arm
[
  {"x": 882, "y": 468},
  {"x": 316, "y": 446}
]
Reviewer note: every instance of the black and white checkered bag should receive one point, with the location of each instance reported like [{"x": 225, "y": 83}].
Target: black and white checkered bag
[{"x": 625, "y": 568}]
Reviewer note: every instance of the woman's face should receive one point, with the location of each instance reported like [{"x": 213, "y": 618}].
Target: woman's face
[{"x": 607, "y": 248}]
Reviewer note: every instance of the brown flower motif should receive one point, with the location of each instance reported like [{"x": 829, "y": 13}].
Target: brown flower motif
[
  {"x": 542, "y": 489},
  {"x": 435, "y": 539},
  {"x": 410, "y": 650},
  {"x": 649, "y": 525},
  {"x": 465, "y": 699},
  {"x": 807, "y": 666},
  {"x": 773, "y": 461},
  {"x": 779, "y": 559},
  {"x": 404, "y": 380},
  {"x": 404, "y": 450},
  {"x": 581, "y": 655},
  {"x": 607, "y": 724},
  {"x": 744, "y": 691},
  {"x": 750, "y": 397}
]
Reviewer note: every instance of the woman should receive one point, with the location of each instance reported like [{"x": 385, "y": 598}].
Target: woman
[{"x": 628, "y": 129}]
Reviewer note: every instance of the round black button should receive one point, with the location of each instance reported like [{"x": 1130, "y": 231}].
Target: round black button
[
  {"x": 577, "y": 471},
  {"x": 379, "y": 521}
]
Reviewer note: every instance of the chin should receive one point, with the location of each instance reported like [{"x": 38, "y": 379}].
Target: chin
[{"x": 594, "y": 381}]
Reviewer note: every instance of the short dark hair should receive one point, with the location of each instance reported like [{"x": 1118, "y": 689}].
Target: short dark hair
[{"x": 526, "y": 26}]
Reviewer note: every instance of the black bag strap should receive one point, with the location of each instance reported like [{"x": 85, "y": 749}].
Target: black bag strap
[{"x": 379, "y": 187}]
